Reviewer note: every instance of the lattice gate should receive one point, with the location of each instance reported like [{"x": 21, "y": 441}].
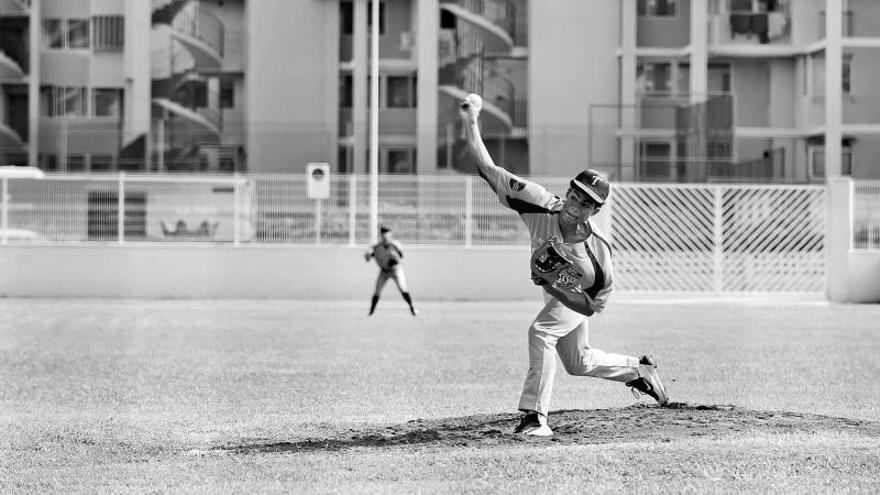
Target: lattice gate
[{"x": 718, "y": 238}]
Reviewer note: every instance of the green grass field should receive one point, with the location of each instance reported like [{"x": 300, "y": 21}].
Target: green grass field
[{"x": 307, "y": 397}]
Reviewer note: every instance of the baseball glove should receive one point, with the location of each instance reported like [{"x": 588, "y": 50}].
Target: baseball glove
[{"x": 550, "y": 267}]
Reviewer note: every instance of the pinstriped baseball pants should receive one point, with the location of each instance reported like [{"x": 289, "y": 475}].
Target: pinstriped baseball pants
[{"x": 560, "y": 330}]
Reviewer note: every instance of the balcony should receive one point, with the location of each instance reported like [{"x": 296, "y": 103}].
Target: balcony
[
  {"x": 493, "y": 20},
  {"x": 746, "y": 25}
]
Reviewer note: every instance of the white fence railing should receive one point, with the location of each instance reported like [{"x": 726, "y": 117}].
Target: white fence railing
[
  {"x": 866, "y": 214},
  {"x": 732, "y": 238}
]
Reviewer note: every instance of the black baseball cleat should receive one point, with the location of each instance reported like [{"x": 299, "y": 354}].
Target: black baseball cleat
[
  {"x": 533, "y": 424},
  {"x": 414, "y": 311},
  {"x": 648, "y": 382}
]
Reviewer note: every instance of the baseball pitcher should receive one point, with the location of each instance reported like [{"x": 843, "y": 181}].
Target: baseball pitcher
[{"x": 571, "y": 261}]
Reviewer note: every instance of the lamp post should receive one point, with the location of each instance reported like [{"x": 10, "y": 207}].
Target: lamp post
[{"x": 374, "y": 122}]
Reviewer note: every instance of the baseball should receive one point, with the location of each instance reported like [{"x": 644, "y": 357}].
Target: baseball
[{"x": 473, "y": 100}]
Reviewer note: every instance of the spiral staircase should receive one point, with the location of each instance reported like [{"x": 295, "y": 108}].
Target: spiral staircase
[{"x": 14, "y": 64}]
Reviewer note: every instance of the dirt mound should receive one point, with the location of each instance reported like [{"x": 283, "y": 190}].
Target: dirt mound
[{"x": 631, "y": 424}]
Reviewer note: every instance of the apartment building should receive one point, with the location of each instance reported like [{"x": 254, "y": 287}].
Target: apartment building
[
  {"x": 744, "y": 90},
  {"x": 655, "y": 90},
  {"x": 125, "y": 85}
]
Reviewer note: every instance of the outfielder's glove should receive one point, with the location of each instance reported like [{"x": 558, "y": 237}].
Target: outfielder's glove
[{"x": 549, "y": 266}]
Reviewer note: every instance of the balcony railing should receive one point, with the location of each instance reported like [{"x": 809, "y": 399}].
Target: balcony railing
[
  {"x": 470, "y": 72},
  {"x": 501, "y": 13},
  {"x": 201, "y": 25}
]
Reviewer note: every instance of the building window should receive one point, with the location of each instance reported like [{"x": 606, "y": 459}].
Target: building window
[
  {"x": 200, "y": 95},
  {"x": 817, "y": 161},
  {"x": 344, "y": 159},
  {"x": 59, "y": 101},
  {"x": 819, "y": 75},
  {"x": 226, "y": 164},
  {"x": 656, "y": 160},
  {"x": 227, "y": 94},
  {"x": 78, "y": 33},
  {"x": 401, "y": 161},
  {"x": 50, "y": 163},
  {"x": 101, "y": 163},
  {"x": 401, "y": 91},
  {"x": 107, "y": 102},
  {"x": 657, "y": 8},
  {"x": 109, "y": 33},
  {"x": 53, "y": 35},
  {"x": 346, "y": 91},
  {"x": 847, "y": 74},
  {"x": 346, "y": 18},
  {"x": 655, "y": 77},
  {"x": 76, "y": 162},
  {"x": 66, "y": 33}
]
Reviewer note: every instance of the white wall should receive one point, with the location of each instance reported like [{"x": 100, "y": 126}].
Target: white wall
[
  {"x": 862, "y": 288},
  {"x": 293, "y": 103},
  {"x": 212, "y": 271},
  {"x": 572, "y": 64}
]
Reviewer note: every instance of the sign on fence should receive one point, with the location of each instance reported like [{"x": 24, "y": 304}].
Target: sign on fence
[{"x": 318, "y": 179}]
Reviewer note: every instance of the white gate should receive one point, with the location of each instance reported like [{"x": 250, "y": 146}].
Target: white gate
[{"x": 719, "y": 238}]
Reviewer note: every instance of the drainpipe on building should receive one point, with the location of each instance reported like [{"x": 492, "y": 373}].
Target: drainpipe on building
[{"x": 35, "y": 25}]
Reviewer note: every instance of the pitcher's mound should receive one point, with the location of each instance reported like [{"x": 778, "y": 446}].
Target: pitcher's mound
[{"x": 630, "y": 424}]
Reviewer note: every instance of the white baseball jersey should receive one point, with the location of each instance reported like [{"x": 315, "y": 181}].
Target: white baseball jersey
[
  {"x": 539, "y": 210},
  {"x": 387, "y": 255}
]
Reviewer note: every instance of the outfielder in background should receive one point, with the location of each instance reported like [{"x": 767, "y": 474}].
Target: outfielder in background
[
  {"x": 571, "y": 261},
  {"x": 388, "y": 254}
]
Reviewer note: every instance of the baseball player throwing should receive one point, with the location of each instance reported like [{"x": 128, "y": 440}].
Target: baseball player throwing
[
  {"x": 571, "y": 261},
  {"x": 388, "y": 254}
]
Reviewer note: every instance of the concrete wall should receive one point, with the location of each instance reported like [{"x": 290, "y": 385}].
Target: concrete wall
[
  {"x": 293, "y": 105},
  {"x": 866, "y": 17},
  {"x": 572, "y": 64},
  {"x": 782, "y": 93},
  {"x": 751, "y": 85},
  {"x": 257, "y": 272},
  {"x": 866, "y": 157},
  {"x": 862, "y": 104},
  {"x": 864, "y": 289},
  {"x": 667, "y": 32}
]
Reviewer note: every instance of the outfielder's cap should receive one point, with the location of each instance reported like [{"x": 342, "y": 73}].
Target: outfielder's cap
[
  {"x": 383, "y": 229},
  {"x": 592, "y": 184}
]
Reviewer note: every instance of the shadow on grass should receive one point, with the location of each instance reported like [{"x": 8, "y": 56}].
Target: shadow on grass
[{"x": 630, "y": 424}]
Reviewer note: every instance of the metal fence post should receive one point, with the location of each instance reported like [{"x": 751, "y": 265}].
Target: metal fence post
[
  {"x": 236, "y": 210},
  {"x": 352, "y": 209},
  {"x": 468, "y": 211},
  {"x": 120, "y": 210},
  {"x": 718, "y": 240},
  {"x": 318, "y": 220},
  {"x": 4, "y": 215}
]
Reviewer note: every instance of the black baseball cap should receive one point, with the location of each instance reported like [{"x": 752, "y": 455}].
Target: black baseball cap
[
  {"x": 593, "y": 184},
  {"x": 383, "y": 229}
]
